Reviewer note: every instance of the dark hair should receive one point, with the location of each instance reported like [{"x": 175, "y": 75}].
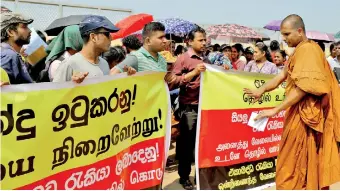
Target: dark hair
[
  {"x": 132, "y": 42},
  {"x": 114, "y": 54},
  {"x": 207, "y": 52},
  {"x": 258, "y": 40},
  {"x": 332, "y": 46},
  {"x": 264, "y": 48},
  {"x": 4, "y": 31},
  {"x": 86, "y": 36},
  {"x": 283, "y": 53},
  {"x": 322, "y": 46},
  {"x": 191, "y": 35},
  {"x": 274, "y": 45},
  {"x": 152, "y": 27},
  {"x": 179, "y": 50},
  {"x": 240, "y": 47},
  {"x": 41, "y": 35},
  {"x": 216, "y": 47}
]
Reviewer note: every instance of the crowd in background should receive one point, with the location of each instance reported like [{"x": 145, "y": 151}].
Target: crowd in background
[{"x": 84, "y": 51}]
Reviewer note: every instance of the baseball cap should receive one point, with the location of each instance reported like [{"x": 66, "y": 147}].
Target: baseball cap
[
  {"x": 249, "y": 50},
  {"x": 13, "y": 18},
  {"x": 93, "y": 22}
]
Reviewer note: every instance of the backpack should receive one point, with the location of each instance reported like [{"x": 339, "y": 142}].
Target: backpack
[{"x": 44, "y": 74}]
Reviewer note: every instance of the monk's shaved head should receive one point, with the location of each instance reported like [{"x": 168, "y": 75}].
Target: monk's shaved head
[
  {"x": 293, "y": 30},
  {"x": 294, "y": 21}
]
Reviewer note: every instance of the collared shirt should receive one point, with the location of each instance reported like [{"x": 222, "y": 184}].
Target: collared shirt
[
  {"x": 15, "y": 67},
  {"x": 141, "y": 60},
  {"x": 333, "y": 62},
  {"x": 267, "y": 68},
  {"x": 189, "y": 90}
]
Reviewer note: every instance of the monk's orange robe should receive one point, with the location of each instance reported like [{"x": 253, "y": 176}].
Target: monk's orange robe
[{"x": 309, "y": 157}]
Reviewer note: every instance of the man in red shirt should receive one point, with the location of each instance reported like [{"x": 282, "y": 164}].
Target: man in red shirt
[{"x": 186, "y": 75}]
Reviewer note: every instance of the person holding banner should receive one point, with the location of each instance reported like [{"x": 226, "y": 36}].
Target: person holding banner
[
  {"x": 309, "y": 150},
  {"x": 95, "y": 31},
  {"x": 14, "y": 34},
  {"x": 148, "y": 57},
  {"x": 66, "y": 44},
  {"x": 186, "y": 75}
]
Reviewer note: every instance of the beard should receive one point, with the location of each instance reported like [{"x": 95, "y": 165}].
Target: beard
[{"x": 22, "y": 41}]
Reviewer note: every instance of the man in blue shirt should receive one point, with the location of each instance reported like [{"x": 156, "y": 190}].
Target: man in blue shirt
[{"x": 14, "y": 34}]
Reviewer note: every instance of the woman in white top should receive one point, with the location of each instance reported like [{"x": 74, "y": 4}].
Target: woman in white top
[{"x": 66, "y": 44}]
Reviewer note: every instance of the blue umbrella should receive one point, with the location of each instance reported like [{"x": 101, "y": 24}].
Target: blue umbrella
[{"x": 178, "y": 27}]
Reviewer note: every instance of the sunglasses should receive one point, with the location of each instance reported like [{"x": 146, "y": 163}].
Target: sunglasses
[{"x": 106, "y": 33}]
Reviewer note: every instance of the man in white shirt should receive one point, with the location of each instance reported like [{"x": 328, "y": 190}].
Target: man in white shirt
[
  {"x": 96, "y": 33},
  {"x": 335, "y": 61}
]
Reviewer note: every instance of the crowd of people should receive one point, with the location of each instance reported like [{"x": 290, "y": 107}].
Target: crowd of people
[{"x": 84, "y": 51}]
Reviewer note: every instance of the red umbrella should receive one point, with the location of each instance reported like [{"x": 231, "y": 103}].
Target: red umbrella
[{"x": 131, "y": 24}]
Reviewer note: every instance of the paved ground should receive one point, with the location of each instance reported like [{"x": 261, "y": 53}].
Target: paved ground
[{"x": 171, "y": 177}]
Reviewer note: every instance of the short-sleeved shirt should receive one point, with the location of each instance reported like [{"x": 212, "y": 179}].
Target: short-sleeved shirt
[
  {"x": 333, "y": 62},
  {"x": 141, "y": 60},
  {"x": 267, "y": 68},
  {"x": 78, "y": 63},
  {"x": 13, "y": 64}
]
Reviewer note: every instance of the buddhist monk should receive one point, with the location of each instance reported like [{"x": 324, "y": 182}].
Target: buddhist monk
[{"x": 309, "y": 151}]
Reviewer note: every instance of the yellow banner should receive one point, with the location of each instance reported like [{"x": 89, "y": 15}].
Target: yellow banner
[
  {"x": 233, "y": 83},
  {"x": 244, "y": 156},
  {"x": 90, "y": 122}
]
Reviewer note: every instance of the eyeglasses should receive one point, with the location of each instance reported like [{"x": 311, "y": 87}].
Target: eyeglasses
[{"x": 106, "y": 33}]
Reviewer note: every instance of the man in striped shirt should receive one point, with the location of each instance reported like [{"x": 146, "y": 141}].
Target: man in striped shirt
[{"x": 147, "y": 58}]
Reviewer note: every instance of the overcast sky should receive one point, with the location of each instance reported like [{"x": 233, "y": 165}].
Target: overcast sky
[{"x": 320, "y": 15}]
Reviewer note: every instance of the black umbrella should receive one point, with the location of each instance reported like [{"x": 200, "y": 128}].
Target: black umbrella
[{"x": 59, "y": 24}]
